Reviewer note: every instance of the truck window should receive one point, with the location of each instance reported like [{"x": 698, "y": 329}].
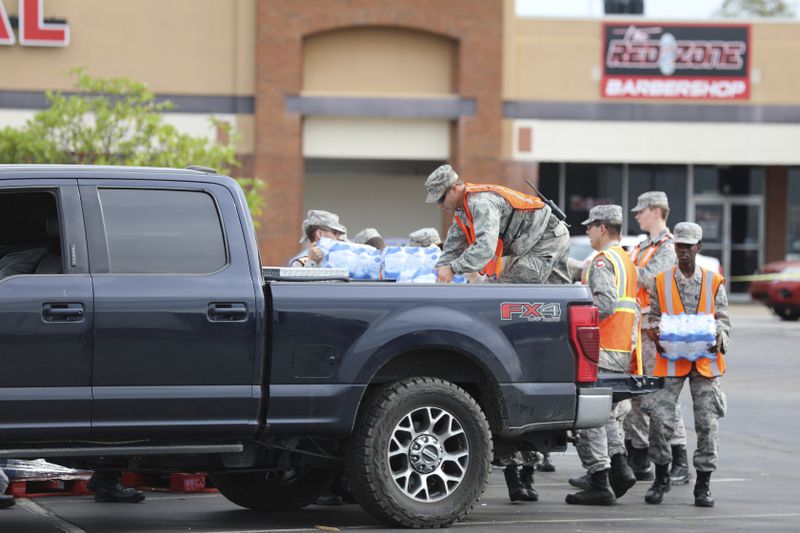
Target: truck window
[
  {"x": 162, "y": 231},
  {"x": 30, "y": 234}
]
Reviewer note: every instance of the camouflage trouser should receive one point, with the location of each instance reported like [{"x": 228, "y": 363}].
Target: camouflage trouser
[
  {"x": 709, "y": 405},
  {"x": 637, "y": 423},
  {"x": 3, "y": 481},
  {"x": 542, "y": 264},
  {"x": 527, "y": 458},
  {"x": 596, "y": 446}
]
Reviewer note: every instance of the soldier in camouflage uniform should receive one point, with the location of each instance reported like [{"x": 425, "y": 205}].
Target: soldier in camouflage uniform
[
  {"x": 424, "y": 237},
  {"x": 695, "y": 290},
  {"x": 612, "y": 280},
  {"x": 535, "y": 242},
  {"x": 514, "y": 232},
  {"x": 653, "y": 255},
  {"x": 318, "y": 224}
]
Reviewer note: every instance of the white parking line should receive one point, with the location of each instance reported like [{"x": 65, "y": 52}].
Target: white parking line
[{"x": 48, "y": 517}]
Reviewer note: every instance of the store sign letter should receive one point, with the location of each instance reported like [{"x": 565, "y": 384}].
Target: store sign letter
[{"x": 33, "y": 31}]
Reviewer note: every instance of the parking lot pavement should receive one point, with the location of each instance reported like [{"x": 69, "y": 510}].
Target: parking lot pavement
[{"x": 755, "y": 486}]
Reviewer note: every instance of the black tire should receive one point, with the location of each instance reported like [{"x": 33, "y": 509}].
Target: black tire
[
  {"x": 284, "y": 491},
  {"x": 789, "y": 314},
  {"x": 372, "y": 464}
]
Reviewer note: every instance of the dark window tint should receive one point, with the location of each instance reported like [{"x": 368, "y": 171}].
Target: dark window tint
[
  {"x": 588, "y": 186},
  {"x": 734, "y": 180},
  {"x": 668, "y": 178},
  {"x": 548, "y": 181},
  {"x": 159, "y": 231}
]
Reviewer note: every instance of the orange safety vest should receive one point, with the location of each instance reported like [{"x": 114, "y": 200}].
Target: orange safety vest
[
  {"x": 642, "y": 260},
  {"x": 671, "y": 304},
  {"x": 617, "y": 330},
  {"x": 518, "y": 200}
]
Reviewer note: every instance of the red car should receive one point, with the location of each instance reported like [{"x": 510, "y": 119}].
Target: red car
[{"x": 781, "y": 294}]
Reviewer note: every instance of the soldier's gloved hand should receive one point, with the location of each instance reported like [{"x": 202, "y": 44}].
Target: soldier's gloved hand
[
  {"x": 444, "y": 274},
  {"x": 315, "y": 254}
]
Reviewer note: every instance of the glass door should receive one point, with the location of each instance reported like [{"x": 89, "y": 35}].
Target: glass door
[{"x": 732, "y": 229}]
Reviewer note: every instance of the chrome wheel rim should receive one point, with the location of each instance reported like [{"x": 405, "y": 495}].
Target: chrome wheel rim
[{"x": 428, "y": 454}]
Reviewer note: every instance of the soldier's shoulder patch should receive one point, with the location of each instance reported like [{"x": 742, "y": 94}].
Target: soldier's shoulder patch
[{"x": 600, "y": 262}]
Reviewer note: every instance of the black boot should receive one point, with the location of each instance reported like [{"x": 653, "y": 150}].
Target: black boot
[
  {"x": 583, "y": 482},
  {"x": 6, "y": 501},
  {"x": 621, "y": 476},
  {"x": 660, "y": 486},
  {"x": 117, "y": 493},
  {"x": 545, "y": 465},
  {"x": 598, "y": 494},
  {"x": 526, "y": 476},
  {"x": 642, "y": 468},
  {"x": 516, "y": 490},
  {"x": 702, "y": 490},
  {"x": 679, "y": 474}
]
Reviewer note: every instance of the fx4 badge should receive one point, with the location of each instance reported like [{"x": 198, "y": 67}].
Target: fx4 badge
[{"x": 535, "y": 312}]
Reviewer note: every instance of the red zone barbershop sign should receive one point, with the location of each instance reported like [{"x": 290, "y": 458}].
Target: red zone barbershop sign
[
  {"x": 33, "y": 30},
  {"x": 689, "y": 61}
]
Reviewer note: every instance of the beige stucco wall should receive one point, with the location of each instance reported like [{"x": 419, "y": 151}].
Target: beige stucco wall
[
  {"x": 560, "y": 60},
  {"x": 378, "y": 61},
  {"x": 204, "y": 47}
]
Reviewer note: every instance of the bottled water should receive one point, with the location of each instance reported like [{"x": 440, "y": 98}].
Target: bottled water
[{"x": 687, "y": 336}]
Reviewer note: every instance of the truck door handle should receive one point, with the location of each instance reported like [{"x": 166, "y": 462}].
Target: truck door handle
[
  {"x": 62, "y": 312},
  {"x": 227, "y": 312}
]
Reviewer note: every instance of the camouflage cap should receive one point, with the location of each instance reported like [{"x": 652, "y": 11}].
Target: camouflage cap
[
  {"x": 365, "y": 234},
  {"x": 323, "y": 219},
  {"x": 651, "y": 199},
  {"x": 424, "y": 237},
  {"x": 438, "y": 182},
  {"x": 610, "y": 213},
  {"x": 687, "y": 233}
]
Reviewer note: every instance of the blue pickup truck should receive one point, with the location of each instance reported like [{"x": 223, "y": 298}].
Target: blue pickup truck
[{"x": 138, "y": 330}]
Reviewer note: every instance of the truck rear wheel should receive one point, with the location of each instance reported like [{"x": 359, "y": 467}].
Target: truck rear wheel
[
  {"x": 420, "y": 454},
  {"x": 274, "y": 491}
]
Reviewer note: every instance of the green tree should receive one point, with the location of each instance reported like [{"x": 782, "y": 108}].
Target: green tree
[
  {"x": 755, "y": 8},
  {"x": 118, "y": 121}
]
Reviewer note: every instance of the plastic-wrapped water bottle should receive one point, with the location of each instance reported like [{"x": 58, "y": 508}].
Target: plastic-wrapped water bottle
[
  {"x": 362, "y": 261},
  {"x": 397, "y": 259}
]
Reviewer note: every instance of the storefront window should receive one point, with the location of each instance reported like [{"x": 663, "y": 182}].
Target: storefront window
[
  {"x": 668, "y": 178},
  {"x": 548, "y": 181},
  {"x": 728, "y": 180},
  {"x": 587, "y": 186},
  {"x": 793, "y": 214}
]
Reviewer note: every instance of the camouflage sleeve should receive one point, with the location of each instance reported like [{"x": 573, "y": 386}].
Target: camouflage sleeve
[
  {"x": 454, "y": 245},
  {"x": 655, "y": 307},
  {"x": 663, "y": 259},
  {"x": 722, "y": 317},
  {"x": 602, "y": 283},
  {"x": 486, "y": 221}
]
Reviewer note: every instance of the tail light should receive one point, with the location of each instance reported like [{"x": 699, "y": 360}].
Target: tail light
[{"x": 584, "y": 335}]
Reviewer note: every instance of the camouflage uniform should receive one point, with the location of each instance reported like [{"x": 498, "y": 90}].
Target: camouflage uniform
[
  {"x": 597, "y": 445},
  {"x": 536, "y": 243},
  {"x": 3, "y": 481},
  {"x": 708, "y": 399},
  {"x": 636, "y": 424}
]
